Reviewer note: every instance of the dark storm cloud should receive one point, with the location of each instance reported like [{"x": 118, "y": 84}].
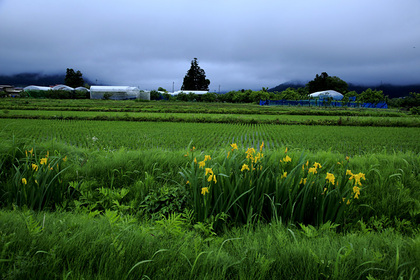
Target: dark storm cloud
[{"x": 240, "y": 44}]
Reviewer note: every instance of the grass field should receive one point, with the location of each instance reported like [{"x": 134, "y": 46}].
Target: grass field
[{"x": 193, "y": 197}]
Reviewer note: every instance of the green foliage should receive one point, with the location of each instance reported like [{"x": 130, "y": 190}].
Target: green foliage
[
  {"x": 107, "y": 96},
  {"x": 407, "y": 102},
  {"x": 33, "y": 179},
  {"x": 164, "y": 200},
  {"x": 155, "y": 95},
  {"x": 371, "y": 96},
  {"x": 415, "y": 110},
  {"x": 292, "y": 94},
  {"x": 112, "y": 246},
  {"x": 195, "y": 79},
  {"x": 209, "y": 97},
  {"x": 187, "y": 222},
  {"x": 325, "y": 82},
  {"x": 73, "y": 79},
  {"x": 248, "y": 186}
]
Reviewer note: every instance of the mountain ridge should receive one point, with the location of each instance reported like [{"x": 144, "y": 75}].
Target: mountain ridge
[{"x": 39, "y": 79}]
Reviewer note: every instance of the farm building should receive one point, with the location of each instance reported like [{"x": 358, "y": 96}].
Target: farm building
[
  {"x": 8, "y": 90},
  {"x": 335, "y": 95},
  {"x": 117, "y": 93}
]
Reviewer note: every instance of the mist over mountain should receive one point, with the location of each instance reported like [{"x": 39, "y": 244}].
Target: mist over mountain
[
  {"x": 393, "y": 91},
  {"x": 39, "y": 79}
]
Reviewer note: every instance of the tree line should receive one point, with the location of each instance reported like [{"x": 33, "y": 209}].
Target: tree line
[{"x": 251, "y": 96}]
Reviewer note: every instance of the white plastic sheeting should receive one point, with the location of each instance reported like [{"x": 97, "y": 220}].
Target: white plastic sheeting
[
  {"x": 145, "y": 95},
  {"x": 114, "y": 92},
  {"x": 198, "y": 92},
  {"x": 335, "y": 95},
  {"x": 28, "y": 88},
  {"x": 62, "y": 87},
  {"x": 82, "y": 89}
]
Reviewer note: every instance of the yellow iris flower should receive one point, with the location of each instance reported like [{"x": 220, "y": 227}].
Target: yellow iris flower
[
  {"x": 34, "y": 167},
  {"x": 312, "y": 170},
  {"x": 204, "y": 190},
  {"x": 287, "y": 159},
  {"x": 356, "y": 191},
  {"x": 330, "y": 177},
  {"x": 201, "y": 164},
  {"x": 245, "y": 167},
  {"x": 234, "y": 146},
  {"x": 24, "y": 181},
  {"x": 357, "y": 178},
  {"x": 317, "y": 165},
  {"x": 43, "y": 161}
]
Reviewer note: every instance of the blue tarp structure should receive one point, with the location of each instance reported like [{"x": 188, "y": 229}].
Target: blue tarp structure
[{"x": 314, "y": 103}]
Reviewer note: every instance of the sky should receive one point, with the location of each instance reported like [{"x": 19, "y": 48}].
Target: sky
[{"x": 240, "y": 44}]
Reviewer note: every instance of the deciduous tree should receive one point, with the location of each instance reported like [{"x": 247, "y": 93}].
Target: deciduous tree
[
  {"x": 73, "y": 79},
  {"x": 325, "y": 82}
]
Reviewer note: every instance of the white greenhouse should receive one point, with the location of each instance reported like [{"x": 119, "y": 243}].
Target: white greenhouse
[
  {"x": 198, "y": 92},
  {"x": 82, "y": 89},
  {"x": 36, "y": 88},
  {"x": 62, "y": 87},
  {"x": 116, "y": 93},
  {"x": 335, "y": 95}
]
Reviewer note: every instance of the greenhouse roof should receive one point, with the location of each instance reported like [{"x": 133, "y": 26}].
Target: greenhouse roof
[
  {"x": 62, "y": 87},
  {"x": 192, "y": 91},
  {"x": 82, "y": 89},
  {"x": 36, "y": 88},
  {"x": 113, "y": 88},
  {"x": 326, "y": 94}
]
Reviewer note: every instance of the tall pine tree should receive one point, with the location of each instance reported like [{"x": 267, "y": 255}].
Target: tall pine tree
[{"x": 195, "y": 79}]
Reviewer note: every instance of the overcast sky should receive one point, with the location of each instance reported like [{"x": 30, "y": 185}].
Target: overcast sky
[{"x": 238, "y": 43}]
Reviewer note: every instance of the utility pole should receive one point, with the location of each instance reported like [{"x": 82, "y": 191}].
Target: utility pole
[
  {"x": 219, "y": 89},
  {"x": 173, "y": 84}
]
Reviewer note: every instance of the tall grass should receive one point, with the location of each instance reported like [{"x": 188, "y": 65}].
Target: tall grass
[
  {"x": 295, "y": 187},
  {"x": 33, "y": 179},
  {"x": 65, "y": 245}
]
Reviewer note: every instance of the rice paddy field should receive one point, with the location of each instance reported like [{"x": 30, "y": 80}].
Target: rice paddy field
[{"x": 172, "y": 190}]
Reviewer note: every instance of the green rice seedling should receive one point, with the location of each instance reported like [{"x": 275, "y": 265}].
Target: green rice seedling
[{"x": 106, "y": 136}]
